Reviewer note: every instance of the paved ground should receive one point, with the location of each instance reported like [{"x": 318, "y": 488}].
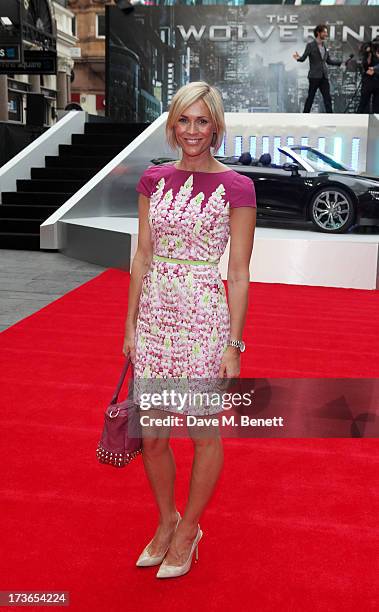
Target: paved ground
[{"x": 30, "y": 280}]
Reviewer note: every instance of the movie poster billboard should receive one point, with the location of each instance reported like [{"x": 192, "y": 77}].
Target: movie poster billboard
[{"x": 246, "y": 51}]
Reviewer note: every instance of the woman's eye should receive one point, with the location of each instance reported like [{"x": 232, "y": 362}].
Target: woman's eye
[{"x": 184, "y": 120}]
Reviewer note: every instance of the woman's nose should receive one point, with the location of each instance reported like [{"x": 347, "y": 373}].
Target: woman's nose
[{"x": 192, "y": 129}]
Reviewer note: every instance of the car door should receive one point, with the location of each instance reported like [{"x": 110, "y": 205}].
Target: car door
[{"x": 280, "y": 193}]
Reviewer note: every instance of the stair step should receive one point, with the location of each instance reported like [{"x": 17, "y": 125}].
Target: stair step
[
  {"x": 108, "y": 150},
  {"x": 26, "y": 211},
  {"x": 102, "y": 139},
  {"x": 30, "y": 197},
  {"x": 22, "y": 212},
  {"x": 61, "y": 173},
  {"x": 49, "y": 185},
  {"x": 30, "y": 226},
  {"x": 115, "y": 128},
  {"x": 83, "y": 161},
  {"x": 20, "y": 240}
]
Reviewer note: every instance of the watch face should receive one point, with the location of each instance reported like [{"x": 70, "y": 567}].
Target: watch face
[{"x": 242, "y": 348}]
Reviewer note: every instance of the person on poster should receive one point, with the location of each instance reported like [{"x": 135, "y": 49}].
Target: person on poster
[
  {"x": 370, "y": 80},
  {"x": 180, "y": 324},
  {"x": 318, "y": 71}
]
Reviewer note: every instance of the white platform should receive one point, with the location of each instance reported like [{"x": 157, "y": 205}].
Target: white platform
[
  {"x": 312, "y": 258},
  {"x": 281, "y": 255}
]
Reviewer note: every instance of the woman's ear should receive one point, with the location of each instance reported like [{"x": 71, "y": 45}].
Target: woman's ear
[{"x": 214, "y": 139}]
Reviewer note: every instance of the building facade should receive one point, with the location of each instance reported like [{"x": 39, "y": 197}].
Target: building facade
[
  {"x": 56, "y": 89},
  {"x": 88, "y": 85}
]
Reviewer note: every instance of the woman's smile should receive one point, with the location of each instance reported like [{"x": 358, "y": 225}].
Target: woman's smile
[{"x": 192, "y": 141}]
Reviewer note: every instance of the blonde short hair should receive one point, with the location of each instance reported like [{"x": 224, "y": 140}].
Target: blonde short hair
[{"x": 187, "y": 95}]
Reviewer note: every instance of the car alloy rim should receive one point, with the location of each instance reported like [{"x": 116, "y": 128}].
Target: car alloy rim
[{"x": 331, "y": 210}]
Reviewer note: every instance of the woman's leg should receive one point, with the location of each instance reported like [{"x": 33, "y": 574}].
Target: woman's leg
[
  {"x": 206, "y": 469},
  {"x": 159, "y": 464}
]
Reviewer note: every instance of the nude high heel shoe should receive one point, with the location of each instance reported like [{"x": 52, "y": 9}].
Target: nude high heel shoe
[
  {"x": 171, "y": 571},
  {"x": 146, "y": 560}
]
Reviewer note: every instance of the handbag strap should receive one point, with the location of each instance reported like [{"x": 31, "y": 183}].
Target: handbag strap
[{"x": 128, "y": 361}]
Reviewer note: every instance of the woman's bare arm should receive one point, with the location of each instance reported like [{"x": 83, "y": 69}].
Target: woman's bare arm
[
  {"x": 242, "y": 228},
  {"x": 140, "y": 265}
]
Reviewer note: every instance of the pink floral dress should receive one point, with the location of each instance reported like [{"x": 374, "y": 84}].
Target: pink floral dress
[{"x": 183, "y": 319}]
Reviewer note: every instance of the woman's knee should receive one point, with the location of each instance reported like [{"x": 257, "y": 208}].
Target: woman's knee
[
  {"x": 154, "y": 445},
  {"x": 203, "y": 441}
]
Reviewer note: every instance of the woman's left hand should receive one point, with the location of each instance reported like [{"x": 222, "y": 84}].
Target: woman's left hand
[{"x": 230, "y": 363}]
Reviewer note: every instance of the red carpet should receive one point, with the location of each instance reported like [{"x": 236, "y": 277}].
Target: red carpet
[{"x": 293, "y": 524}]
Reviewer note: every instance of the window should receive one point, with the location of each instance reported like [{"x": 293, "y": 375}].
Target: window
[
  {"x": 15, "y": 106},
  {"x": 100, "y": 26}
]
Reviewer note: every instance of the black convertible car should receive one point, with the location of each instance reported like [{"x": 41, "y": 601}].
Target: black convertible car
[{"x": 310, "y": 185}]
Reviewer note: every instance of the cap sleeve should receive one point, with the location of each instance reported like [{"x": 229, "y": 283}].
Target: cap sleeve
[
  {"x": 242, "y": 192},
  {"x": 147, "y": 181}
]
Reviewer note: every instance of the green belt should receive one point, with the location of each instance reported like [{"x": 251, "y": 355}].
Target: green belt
[{"x": 194, "y": 262}]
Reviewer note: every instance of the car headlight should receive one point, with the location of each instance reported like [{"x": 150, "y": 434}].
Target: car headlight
[{"x": 374, "y": 193}]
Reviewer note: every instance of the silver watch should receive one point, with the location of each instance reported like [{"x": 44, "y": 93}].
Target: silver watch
[{"x": 237, "y": 344}]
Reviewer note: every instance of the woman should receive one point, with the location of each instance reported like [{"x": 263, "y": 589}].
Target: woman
[{"x": 179, "y": 323}]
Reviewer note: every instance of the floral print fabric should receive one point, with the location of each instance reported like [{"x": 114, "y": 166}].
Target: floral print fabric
[{"x": 183, "y": 320}]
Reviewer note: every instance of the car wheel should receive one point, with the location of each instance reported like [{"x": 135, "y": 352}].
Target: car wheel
[{"x": 332, "y": 210}]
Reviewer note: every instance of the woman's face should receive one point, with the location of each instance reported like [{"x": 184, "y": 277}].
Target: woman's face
[{"x": 194, "y": 129}]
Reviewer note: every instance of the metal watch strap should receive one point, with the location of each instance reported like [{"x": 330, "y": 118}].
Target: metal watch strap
[{"x": 235, "y": 343}]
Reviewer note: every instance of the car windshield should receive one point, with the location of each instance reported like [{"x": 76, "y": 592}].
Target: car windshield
[{"x": 319, "y": 160}]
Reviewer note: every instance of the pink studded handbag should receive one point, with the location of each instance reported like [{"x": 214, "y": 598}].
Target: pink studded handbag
[{"x": 121, "y": 439}]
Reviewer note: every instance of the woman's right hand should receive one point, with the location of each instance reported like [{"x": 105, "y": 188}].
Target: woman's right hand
[{"x": 129, "y": 343}]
